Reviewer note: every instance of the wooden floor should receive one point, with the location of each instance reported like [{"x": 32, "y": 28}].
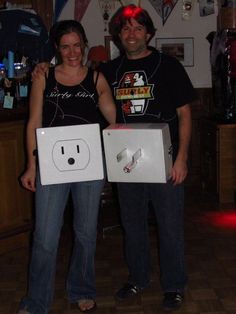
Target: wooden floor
[{"x": 211, "y": 260}]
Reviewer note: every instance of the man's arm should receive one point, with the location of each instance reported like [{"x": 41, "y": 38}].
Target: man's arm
[
  {"x": 40, "y": 69},
  {"x": 180, "y": 169},
  {"x": 106, "y": 102}
]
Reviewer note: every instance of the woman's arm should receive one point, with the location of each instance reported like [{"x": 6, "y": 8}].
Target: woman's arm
[
  {"x": 106, "y": 102},
  {"x": 34, "y": 122}
]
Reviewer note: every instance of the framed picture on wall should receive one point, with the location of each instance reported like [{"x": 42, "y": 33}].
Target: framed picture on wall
[
  {"x": 112, "y": 50},
  {"x": 180, "y": 48}
]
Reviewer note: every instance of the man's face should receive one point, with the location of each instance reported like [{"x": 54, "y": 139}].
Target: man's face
[{"x": 134, "y": 39}]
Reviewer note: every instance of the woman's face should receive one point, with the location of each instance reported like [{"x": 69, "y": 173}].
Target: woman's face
[{"x": 71, "y": 49}]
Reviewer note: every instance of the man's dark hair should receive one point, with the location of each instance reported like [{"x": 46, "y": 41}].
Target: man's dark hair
[{"x": 123, "y": 15}]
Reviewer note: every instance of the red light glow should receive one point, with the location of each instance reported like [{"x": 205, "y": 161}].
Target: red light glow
[
  {"x": 131, "y": 12},
  {"x": 222, "y": 220}
]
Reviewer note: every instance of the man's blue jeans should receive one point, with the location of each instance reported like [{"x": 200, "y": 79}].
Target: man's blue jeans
[
  {"x": 50, "y": 204},
  {"x": 168, "y": 203}
]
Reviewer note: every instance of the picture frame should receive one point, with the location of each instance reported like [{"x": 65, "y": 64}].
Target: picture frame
[
  {"x": 180, "y": 48},
  {"x": 112, "y": 50}
]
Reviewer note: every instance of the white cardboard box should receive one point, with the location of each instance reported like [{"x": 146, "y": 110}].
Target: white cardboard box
[
  {"x": 138, "y": 152},
  {"x": 70, "y": 154}
]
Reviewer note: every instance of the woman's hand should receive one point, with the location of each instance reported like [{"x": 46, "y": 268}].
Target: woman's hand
[{"x": 28, "y": 179}]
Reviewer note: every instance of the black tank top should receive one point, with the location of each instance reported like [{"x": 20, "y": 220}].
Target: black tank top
[{"x": 70, "y": 105}]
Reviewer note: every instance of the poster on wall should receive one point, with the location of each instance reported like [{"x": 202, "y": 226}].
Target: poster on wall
[
  {"x": 80, "y": 8},
  {"x": 59, "y": 5},
  {"x": 163, "y": 8},
  {"x": 180, "y": 48},
  {"x": 111, "y": 48},
  {"x": 127, "y": 2}
]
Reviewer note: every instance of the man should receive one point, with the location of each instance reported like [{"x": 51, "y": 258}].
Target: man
[{"x": 170, "y": 92}]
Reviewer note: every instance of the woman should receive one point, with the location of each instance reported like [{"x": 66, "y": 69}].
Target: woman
[{"x": 68, "y": 94}]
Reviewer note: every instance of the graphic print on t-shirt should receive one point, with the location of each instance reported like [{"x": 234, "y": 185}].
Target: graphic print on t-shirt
[
  {"x": 67, "y": 105},
  {"x": 134, "y": 92}
]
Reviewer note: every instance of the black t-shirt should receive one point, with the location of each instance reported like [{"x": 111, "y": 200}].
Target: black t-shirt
[
  {"x": 70, "y": 105},
  {"x": 149, "y": 89}
]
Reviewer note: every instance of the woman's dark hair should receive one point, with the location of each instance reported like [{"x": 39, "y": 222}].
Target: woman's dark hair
[
  {"x": 123, "y": 15},
  {"x": 66, "y": 27}
]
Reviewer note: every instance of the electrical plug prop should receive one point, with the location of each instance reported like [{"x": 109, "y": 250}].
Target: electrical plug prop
[{"x": 140, "y": 152}]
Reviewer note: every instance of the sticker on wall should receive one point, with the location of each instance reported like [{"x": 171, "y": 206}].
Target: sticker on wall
[
  {"x": 187, "y": 9},
  {"x": 206, "y": 7}
]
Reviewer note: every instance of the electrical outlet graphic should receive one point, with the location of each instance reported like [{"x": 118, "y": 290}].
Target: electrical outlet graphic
[{"x": 71, "y": 155}]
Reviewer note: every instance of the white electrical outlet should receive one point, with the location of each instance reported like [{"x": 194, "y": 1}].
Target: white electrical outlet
[{"x": 70, "y": 154}]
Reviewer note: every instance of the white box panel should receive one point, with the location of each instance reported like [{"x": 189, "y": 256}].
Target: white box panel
[
  {"x": 70, "y": 154},
  {"x": 139, "y": 152}
]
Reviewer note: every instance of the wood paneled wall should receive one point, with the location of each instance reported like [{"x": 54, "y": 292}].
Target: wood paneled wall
[
  {"x": 203, "y": 107},
  {"x": 26, "y": 4},
  {"x": 45, "y": 9}
]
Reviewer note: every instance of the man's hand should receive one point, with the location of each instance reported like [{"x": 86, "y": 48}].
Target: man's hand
[
  {"x": 179, "y": 172},
  {"x": 40, "y": 69}
]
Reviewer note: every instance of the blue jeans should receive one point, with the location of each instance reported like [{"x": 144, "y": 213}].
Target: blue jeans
[
  {"x": 50, "y": 204},
  {"x": 168, "y": 204}
]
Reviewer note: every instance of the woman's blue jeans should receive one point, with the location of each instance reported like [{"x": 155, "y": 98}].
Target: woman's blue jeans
[
  {"x": 168, "y": 204},
  {"x": 50, "y": 205}
]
